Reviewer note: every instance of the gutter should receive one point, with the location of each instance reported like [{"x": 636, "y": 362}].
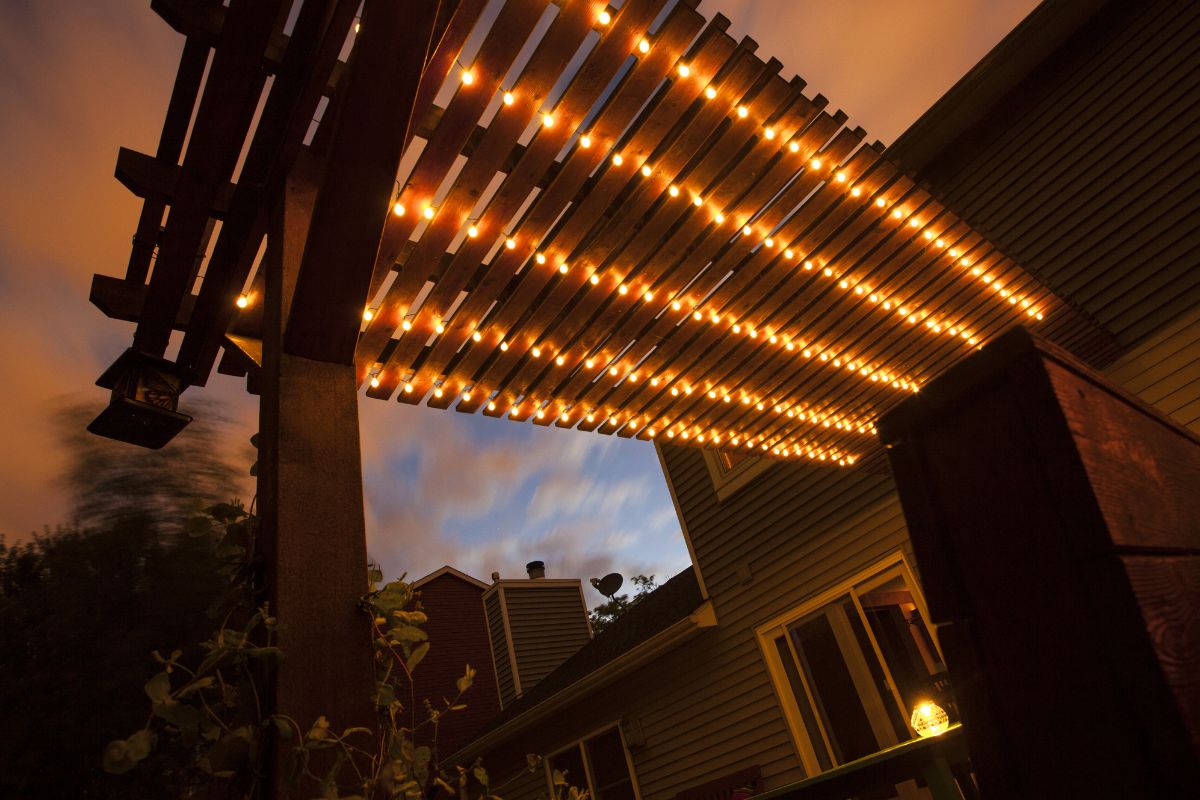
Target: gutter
[{"x": 704, "y": 617}]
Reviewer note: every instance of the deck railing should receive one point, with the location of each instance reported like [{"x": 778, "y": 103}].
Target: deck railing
[{"x": 939, "y": 762}]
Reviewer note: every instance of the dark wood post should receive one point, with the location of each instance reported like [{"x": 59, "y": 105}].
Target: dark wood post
[
  {"x": 1056, "y": 523},
  {"x": 310, "y": 491}
]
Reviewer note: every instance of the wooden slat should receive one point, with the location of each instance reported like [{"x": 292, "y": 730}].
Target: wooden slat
[{"x": 231, "y": 92}]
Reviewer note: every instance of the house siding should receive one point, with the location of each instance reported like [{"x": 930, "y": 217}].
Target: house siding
[
  {"x": 504, "y": 673},
  {"x": 548, "y": 624},
  {"x": 458, "y": 633}
]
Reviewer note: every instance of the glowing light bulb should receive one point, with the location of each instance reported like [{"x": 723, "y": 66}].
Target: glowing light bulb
[
  {"x": 855, "y": 192},
  {"x": 408, "y": 387},
  {"x": 398, "y": 208},
  {"x": 540, "y": 258},
  {"x": 647, "y": 172},
  {"x": 406, "y": 325},
  {"x": 589, "y": 363},
  {"x": 477, "y": 336},
  {"x": 504, "y": 346},
  {"x": 468, "y": 77},
  {"x": 644, "y": 46},
  {"x": 375, "y": 382},
  {"x": 439, "y": 328},
  {"x": 897, "y": 213},
  {"x": 684, "y": 70},
  {"x": 585, "y": 141},
  {"x": 613, "y": 371},
  {"x": 509, "y": 98},
  {"x": 743, "y": 112},
  {"x": 428, "y": 212},
  {"x": 563, "y": 268},
  {"x": 769, "y": 242},
  {"x": 511, "y": 244},
  {"x": 242, "y": 301},
  {"x": 794, "y": 147},
  {"x": 929, "y": 719},
  {"x": 604, "y": 17},
  {"x": 472, "y": 231},
  {"x": 437, "y": 392},
  {"x": 536, "y": 352},
  {"x": 648, "y": 296},
  {"x": 594, "y": 279},
  {"x": 673, "y": 190},
  {"x": 697, "y": 201},
  {"x": 840, "y": 177},
  {"x": 548, "y": 120},
  {"x": 710, "y": 93},
  {"x": 617, "y": 160},
  {"x": 815, "y": 163},
  {"x": 368, "y": 314},
  {"x": 746, "y": 229},
  {"x": 491, "y": 406},
  {"x": 541, "y": 414},
  {"x": 769, "y": 133},
  {"x": 719, "y": 218},
  {"x": 623, "y": 289},
  {"x": 466, "y": 397}
]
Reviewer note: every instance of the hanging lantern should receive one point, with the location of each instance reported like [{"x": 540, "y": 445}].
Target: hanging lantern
[
  {"x": 145, "y": 394},
  {"x": 929, "y": 719}
]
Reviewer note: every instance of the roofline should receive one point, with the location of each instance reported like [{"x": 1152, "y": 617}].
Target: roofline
[
  {"x": 703, "y": 617},
  {"x": 548, "y": 582},
  {"x": 448, "y": 570},
  {"x": 987, "y": 85}
]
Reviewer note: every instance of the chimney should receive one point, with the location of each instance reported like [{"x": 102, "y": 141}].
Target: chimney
[{"x": 534, "y": 626}]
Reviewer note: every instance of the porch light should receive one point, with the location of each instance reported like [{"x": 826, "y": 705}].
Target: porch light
[{"x": 929, "y": 719}]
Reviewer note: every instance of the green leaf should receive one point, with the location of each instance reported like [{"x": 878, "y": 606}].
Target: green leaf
[
  {"x": 181, "y": 715},
  {"x": 385, "y": 695},
  {"x": 295, "y": 762},
  {"x": 158, "y": 689},
  {"x": 481, "y": 775},
  {"x": 200, "y": 683},
  {"x": 416, "y": 655},
  {"x": 466, "y": 680},
  {"x": 407, "y": 633},
  {"x": 265, "y": 652},
  {"x": 393, "y": 597},
  {"x": 225, "y": 512}
]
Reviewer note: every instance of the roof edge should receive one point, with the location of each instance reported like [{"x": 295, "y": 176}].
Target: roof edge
[
  {"x": 448, "y": 570},
  {"x": 701, "y": 618},
  {"x": 993, "y": 79}
]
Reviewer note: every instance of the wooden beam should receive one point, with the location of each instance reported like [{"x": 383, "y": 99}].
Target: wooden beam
[
  {"x": 231, "y": 92},
  {"x": 356, "y": 192},
  {"x": 317, "y": 38},
  {"x": 1054, "y": 520},
  {"x": 153, "y": 179}
]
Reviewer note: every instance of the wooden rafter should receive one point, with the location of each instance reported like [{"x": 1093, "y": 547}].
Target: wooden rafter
[{"x": 621, "y": 221}]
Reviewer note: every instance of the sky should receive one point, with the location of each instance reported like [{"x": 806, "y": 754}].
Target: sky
[{"x": 80, "y": 78}]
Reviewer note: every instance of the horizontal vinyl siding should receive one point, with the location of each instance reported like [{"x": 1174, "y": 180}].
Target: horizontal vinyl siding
[
  {"x": 504, "y": 675},
  {"x": 1164, "y": 370},
  {"x": 1089, "y": 178},
  {"x": 459, "y": 633},
  {"x": 708, "y": 708},
  {"x": 548, "y": 625}
]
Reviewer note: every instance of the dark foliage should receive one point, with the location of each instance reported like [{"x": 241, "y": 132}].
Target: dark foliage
[
  {"x": 83, "y": 607},
  {"x": 605, "y": 614}
]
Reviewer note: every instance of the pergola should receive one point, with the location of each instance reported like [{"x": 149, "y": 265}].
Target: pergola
[{"x": 616, "y": 220}]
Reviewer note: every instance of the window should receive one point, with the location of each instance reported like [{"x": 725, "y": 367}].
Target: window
[
  {"x": 600, "y": 763},
  {"x": 731, "y": 471},
  {"x": 851, "y": 665}
]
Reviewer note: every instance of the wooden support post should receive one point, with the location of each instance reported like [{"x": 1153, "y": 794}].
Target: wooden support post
[
  {"x": 1056, "y": 522},
  {"x": 310, "y": 492}
]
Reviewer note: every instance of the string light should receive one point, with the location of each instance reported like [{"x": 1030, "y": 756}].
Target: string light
[
  {"x": 468, "y": 77},
  {"x": 604, "y": 17},
  {"x": 644, "y": 46},
  {"x": 368, "y": 314},
  {"x": 509, "y": 98},
  {"x": 398, "y": 208},
  {"x": 242, "y": 301}
]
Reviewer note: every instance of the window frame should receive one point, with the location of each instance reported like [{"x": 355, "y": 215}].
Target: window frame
[
  {"x": 726, "y": 482},
  {"x": 892, "y": 565},
  {"x": 586, "y": 760}
]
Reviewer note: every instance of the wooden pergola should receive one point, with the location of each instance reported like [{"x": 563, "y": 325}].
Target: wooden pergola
[{"x": 616, "y": 220}]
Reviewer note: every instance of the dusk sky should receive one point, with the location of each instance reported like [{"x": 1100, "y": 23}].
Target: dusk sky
[{"x": 79, "y": 78}]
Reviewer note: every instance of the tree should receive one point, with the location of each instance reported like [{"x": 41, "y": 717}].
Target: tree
[
  {"x": 83, "y": 606},
  {"x": 605, "y": 614}
]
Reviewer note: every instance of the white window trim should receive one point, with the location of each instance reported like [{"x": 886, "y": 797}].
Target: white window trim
[
  {"x": 727, "y": 482},
  {"x": 587, "y": 765},
  {"x": 765, "y": 634}
]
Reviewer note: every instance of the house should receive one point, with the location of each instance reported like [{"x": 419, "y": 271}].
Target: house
[{"x": 798, "y": 642}]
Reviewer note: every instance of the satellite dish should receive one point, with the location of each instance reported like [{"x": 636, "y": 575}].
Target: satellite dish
[{"x": 609, "y": 585}]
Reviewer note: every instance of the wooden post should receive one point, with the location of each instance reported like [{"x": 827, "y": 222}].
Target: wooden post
[
  {"x": 310, "y": 493},
  {"x": 1056, "y": 523}
]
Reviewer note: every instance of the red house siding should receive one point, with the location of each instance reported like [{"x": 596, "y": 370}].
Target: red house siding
[{"x": 458, "y": 636}]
